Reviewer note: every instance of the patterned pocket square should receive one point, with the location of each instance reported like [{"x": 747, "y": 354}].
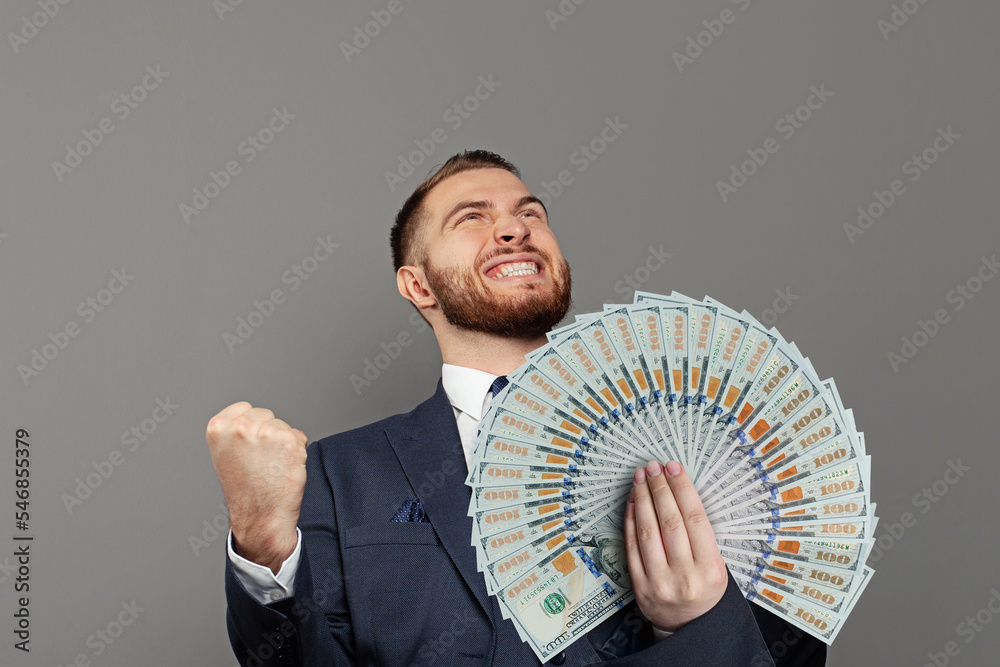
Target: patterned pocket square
[{"x": 410, "y": 510}]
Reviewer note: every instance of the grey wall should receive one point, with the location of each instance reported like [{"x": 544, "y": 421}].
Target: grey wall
[{"x": 66, "y": 229}]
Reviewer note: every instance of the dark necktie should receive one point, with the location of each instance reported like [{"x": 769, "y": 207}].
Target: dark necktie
[{"x": 498, "y": 385}]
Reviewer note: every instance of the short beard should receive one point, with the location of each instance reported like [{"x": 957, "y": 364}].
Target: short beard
[{"x": 527, "y": 315}]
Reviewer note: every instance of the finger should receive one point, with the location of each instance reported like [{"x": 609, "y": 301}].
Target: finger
[
  {"x": 283, "y": 432},
  {"x": 699, "y": 529},
  {"x": 233, "y": 411},
  {"x": 669, "y": 517},
  {"x": 258, "y": 415},
  {"x": 647, "y": 528},
  {"x": 636, "y": 570},
  {"x": 282, "y": 425}
]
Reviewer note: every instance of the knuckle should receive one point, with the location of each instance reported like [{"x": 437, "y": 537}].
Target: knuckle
[
  {"x": 671, "y": 522},
  {"x": 682, "y": 485},
  {"x": 243, "y": 428},
  {"x": 214, "y": 430},
  {"x": 695, "y": 516},
  {"x": 690, "y": 593},
  {"x": 662, "y": 590},
  {"x": 718, "y": 573},
  {"x": 661, "y": 493},
  {"x": 647, "y": 533}
]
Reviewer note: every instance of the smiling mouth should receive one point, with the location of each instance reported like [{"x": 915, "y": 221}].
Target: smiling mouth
[{"x": 511, "y": 269}]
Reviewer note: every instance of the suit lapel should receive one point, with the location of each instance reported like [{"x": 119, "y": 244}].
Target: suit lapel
[{"x": 429, "y": 450}]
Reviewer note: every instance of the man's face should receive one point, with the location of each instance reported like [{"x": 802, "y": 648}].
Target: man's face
[{"x": 491, "y": 260}]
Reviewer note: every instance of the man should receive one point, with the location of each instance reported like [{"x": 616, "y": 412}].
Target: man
[{"x": 356, "y": 550}]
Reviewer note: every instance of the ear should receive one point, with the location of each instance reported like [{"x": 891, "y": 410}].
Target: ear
[{"x": 412, "y": 284}]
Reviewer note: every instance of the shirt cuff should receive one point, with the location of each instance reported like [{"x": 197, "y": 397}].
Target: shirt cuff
[
  {"x": 262, "y": 584},
  {"x": 660, "y": 635}
]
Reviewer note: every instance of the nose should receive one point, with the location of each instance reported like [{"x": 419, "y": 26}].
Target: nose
[{"x": 510, "y": 230}]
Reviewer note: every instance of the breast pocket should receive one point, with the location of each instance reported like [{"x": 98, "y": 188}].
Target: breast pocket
[{"x": 406, "y": 595}]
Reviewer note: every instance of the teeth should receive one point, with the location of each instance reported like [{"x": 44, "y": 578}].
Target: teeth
[{"x": 517, "y": 269}]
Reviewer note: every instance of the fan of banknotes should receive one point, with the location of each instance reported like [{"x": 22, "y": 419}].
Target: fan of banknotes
[{"x": 777, "y": 461}]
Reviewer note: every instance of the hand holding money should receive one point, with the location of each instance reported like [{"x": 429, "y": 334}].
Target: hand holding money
[
  {"x": 261, "y": 464},
  {"x": 777, "y": 463},
  {"x": 674, "y": 562}
]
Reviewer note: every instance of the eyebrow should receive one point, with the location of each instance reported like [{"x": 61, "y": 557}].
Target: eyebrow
[{"x": 486, "y": 203}]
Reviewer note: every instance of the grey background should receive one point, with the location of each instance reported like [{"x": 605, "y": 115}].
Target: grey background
[{"x": 162, "y": 336}]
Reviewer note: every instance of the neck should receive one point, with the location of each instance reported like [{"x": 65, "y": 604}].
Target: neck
[{"x": 485, "y": 352}]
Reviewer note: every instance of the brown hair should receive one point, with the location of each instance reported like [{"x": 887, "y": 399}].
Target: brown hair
[{"x": 403, "y": 236}]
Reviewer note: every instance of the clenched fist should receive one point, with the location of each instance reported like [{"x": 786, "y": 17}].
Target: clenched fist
[{"x": 261, "y": 463}]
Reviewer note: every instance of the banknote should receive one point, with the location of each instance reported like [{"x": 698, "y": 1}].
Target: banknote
[{"x": 777, "y": 459}]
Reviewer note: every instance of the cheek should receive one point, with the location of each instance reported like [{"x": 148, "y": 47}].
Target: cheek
[
  {"x": 547, "y": 242},
  {"x": 459, "y": 256}
]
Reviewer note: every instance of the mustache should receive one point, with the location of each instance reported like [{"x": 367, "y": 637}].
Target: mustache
[{"x": 500, "y": 252}]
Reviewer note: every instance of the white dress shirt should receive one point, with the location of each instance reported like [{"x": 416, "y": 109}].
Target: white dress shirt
[{"x": 468, "y": 392}]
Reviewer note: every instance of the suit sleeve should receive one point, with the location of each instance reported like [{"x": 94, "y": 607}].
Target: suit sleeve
[
  {"x": 725, "y": 636},
  {"x": 789, "y": 646},
  {"x": 313, "y": 626}
]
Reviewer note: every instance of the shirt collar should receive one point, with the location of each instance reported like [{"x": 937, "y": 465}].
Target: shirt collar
[{"x": 466, "y": 388}]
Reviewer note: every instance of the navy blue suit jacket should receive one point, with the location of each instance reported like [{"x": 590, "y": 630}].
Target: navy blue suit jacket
[{"x": 370, "y": 591}]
